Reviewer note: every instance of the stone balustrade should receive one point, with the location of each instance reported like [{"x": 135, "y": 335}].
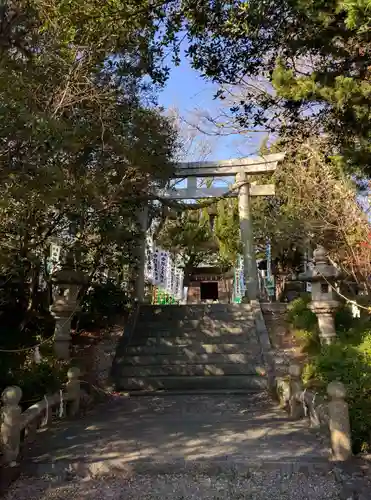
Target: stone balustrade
[
  {"x": 15, "y": 423},
  {"x": 331, "y": 412}
]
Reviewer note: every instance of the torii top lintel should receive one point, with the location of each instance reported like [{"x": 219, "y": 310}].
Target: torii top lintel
[{"x": 226, "y": 168}]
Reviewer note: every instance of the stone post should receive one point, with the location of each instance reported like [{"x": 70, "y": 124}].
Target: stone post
[
  {"x": 66, "y": 286},
  {"x": 296, "y": 388},
  {"x": 247, "y": 238},
  {"x": 324, "y": 299},
  {"x": 73, "y": 390},
  {"x": 11, "y": 423},
  {"x": 339, "y": 422},
  {"x": 140, "y": 278}
]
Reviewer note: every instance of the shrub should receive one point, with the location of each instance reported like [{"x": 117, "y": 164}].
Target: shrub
[
  {"x": 352, "y": 366},
  {"x": 348, "y": 360},
  {"x": 36, "y": 380},
  {"x": 304, "y": 324},
  {"x": 344, "y": 320},
  {"x": 299, "y": 315},
  {"x": 308, "y": 340},
  {"x": 103, "y": 302}
]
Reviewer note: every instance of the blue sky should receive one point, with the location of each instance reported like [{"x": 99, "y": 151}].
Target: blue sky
[{"x": 187, "y": 90}]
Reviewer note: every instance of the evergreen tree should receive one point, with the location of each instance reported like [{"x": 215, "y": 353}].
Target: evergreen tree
[{"x": 315, "y": 54}]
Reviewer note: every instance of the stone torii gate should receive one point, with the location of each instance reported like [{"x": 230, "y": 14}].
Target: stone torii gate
[{"x": 243, "y": 170}]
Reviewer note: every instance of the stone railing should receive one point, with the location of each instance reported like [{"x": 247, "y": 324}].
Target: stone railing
[
  {"x": 331, "y": 413},
  {"x": 18, "y": 427}
]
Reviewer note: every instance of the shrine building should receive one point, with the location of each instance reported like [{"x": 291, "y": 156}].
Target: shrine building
[{"x": 210, "y": 284}]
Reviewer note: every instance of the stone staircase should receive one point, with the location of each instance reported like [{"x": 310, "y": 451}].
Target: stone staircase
[
  {"x": 193, "y": 445},
  {"x": 200, "y": 347}
]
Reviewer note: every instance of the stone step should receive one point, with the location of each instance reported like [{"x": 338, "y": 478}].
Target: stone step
[
  {"x": 194, "y": 310},
  {"x": 189, "y": 324},
  {"x": 201, "y": 347},
  {"x": 192, "y": 370},
  {"x": 254, "y": 383},
  {"x": 189, "y": 358},
  {"x": 175, "y": 315},
  {"x": 141, "y": 331},
  {"x": 200, "y": 338},
  {"x": 191, "y": 348}
]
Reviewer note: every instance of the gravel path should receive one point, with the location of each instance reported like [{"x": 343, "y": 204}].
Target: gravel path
[{"x": 255, "y": 486}]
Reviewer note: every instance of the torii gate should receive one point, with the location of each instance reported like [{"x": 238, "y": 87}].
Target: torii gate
[{"x": 242, "y": 169}]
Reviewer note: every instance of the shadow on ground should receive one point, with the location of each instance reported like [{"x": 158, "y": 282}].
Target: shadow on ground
[{"x": 170, "y": 433}]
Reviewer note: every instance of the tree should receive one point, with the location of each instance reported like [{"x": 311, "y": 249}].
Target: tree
[
  {"x": 189, "y": 236},
  {"x": 316, "y": 203},
  {"x": 227, "y": 232},
  {"x": 314, "y": 55},
  {"x": 207, "y": 235},
  {"x": 81, "y": 139}
]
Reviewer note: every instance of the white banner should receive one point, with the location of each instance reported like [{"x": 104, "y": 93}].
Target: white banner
[
  {"x": 161, "y": 270},
  {"x": 239, "y": 278}
]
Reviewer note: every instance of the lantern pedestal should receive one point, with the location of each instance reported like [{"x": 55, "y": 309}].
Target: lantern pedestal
[
  {"x": 325, "y": 312},
  {"x": 62, "y": 332},
  {"x": 67, "y": 283}
]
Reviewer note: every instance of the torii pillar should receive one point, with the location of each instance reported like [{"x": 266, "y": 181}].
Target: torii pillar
[
  {"x": 247, "y": 237},
  {"x": 139, "y": 287}
]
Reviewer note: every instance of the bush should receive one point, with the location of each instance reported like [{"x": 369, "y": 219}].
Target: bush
[
  {"x": 304, "y": 324},
  {"x": 36, "y": 380},
  {"x": 104, "y": 302},
  {"x": 348, "y": 360},
  {"x": 352, "y": 366},
  {"x": 19, "y": 368},
  {"x": 299, "y": 315}
]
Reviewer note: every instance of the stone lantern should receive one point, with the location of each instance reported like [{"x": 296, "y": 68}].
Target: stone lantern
[
  {"x": 66, "y": 285},
  {"x": 324, "y": 297}
]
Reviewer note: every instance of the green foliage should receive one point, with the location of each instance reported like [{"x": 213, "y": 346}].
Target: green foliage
[
  {"x": 104, "y": 302},
  {"x": 82, "y": 141},
  {"x": 227, "y": 231},
  {"x": 211, "y": 233},
  {"x": 351, "y": 365},
  {"x": 36, "y": 380},
  {"x": 315, "y": 203},
  {"x": 304, "y": 324},
  {"x": 348, "y": 360},
  {"x": 315, "y": 56},
  {"x": 81, "y": 137},
  {"x": 189, "y": 236},
  {"x": 299, "y": 315}
]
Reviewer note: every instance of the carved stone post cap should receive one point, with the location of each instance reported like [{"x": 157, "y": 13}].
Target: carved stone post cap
[
  {"x": 73, "y": 373},
  {"x": 336, "y": 390},
  {"x": 295, "y": 370},
  {"x": 11, "y": 395}
]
